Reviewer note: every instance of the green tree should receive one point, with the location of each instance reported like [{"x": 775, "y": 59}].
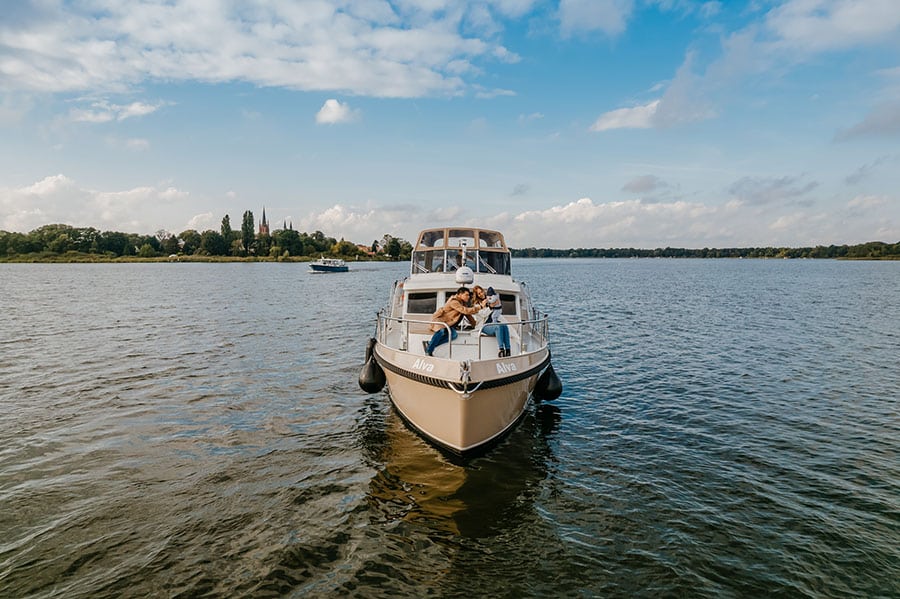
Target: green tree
[
  {"x": 406, "y": 249},
  {"x": 289, "y": 241},
  {"x": 112, "y": 242},
  {"x": 141, "y": 240},
  {"x": 227, "y": 233},
  {"x": 170, "y": 245},
  {"x": 263, "y": 244},
  {"x": 213, "y": 244},
  {"x": 344, "y": 248},
  {"x": 190, "y": 241},
  {"x": 61, "y": 244},
  {"x": 247, "y": 232},
  {"x": 393, "y": 248}
]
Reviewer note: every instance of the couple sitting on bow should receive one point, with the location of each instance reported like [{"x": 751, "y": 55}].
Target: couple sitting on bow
[{"x": 458, "y": 307}]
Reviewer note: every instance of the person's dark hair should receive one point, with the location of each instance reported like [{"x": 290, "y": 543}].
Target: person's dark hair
[{"x": 461, "y": 289}]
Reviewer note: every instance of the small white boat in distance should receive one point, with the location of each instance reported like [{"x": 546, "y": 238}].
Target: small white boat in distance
[
  {"x": 468, "y": 394},
  {"x": 324, "y": 264}
]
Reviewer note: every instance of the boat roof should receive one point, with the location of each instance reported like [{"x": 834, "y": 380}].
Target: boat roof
[
  {"x": 448, "y": 282},
  {"x": 448, "y": 249},
  {"x": 459, "y": 237}
]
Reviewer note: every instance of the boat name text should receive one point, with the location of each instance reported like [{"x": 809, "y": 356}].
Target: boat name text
[
  {"x": 421, "y": 364},
  {"x": 504, "y": 367}
]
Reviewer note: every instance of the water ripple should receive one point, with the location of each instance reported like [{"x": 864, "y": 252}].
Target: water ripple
[{"x": 728, "y": 428}]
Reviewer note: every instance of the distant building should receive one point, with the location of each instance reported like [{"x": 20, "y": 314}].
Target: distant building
[{"x": 264, "y": 224}]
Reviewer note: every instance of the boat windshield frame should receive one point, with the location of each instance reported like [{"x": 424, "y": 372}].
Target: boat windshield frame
[{"x": 445, "y": 250}]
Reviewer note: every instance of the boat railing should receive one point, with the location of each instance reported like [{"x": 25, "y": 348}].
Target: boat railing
[{"x": 536, "y": 329}]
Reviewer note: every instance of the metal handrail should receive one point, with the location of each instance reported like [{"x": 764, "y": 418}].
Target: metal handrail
[{"x": 539, "y": 329}]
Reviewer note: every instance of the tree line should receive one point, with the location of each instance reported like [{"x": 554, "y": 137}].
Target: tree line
[
  {"x": 871, "y": 250},
  {"x": 59, "y": 240}
]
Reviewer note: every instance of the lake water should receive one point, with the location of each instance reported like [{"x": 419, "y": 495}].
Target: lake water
[{"x": 728, "y": 428}]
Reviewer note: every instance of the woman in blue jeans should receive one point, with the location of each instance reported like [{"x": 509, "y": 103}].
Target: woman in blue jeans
[{"x": 493, "y": 327}]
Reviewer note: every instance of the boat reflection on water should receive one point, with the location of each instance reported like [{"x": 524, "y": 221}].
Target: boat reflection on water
[{"x": 478, "y": 497}]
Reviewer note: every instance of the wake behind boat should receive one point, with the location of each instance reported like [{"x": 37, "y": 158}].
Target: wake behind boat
[
  {"x": 468, "y": 393},
  {"x": 324, "y": 264}
]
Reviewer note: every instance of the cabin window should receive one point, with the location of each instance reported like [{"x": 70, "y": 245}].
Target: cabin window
[
  {"x": 461, "y": 237},
  {"x": 508, "y": 303},
  {"x": 488, "y": 239},
  {"x": 422, "y": 303},
  {"x": 493, "y": 262},
  {"x": 432, "y": 239},
  {"x": 455, "y": 260},
  {"x": 428, "y": 261}
]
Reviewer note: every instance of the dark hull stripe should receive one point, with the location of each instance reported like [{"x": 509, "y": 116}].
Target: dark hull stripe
[{"x": 489, "y": 384}]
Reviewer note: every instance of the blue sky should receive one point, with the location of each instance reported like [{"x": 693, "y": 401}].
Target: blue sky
[{"x": 571, "y": 123}]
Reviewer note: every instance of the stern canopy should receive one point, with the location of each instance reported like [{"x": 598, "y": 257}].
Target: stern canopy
[{"x": 445, "y": 250}]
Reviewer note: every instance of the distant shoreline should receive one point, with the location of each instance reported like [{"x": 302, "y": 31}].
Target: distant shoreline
[
  {"x": 64, "y": 243},
  {"x": 873, "y": 250},
  {"x": 99, "y": 259},
  {"x": 72, "y": 258}
]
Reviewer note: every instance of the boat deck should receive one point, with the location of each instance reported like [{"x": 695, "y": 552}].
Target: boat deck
[{"x": 469, "y": 344}]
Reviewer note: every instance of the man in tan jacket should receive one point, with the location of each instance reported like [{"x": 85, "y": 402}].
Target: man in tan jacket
[{"x": 451, "y": 313}]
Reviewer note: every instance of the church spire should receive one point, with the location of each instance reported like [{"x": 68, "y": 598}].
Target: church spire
[{"x": 264, "y": 224}]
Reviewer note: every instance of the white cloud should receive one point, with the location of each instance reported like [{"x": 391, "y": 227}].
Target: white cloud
[
  {"x": 577, "y": 224},
  {"x": 585, "y": 16},
  {"x": 581, "y": 223},
  {"x": 136, "y": 109},
  {"x": 137, "y": 144},
  {"x": 814, "y": 26},
  {"x": 867, "y": 202},
  {"x": 512, "y": 8},
  {"x": 134, "y": 144},
  {"x": 633, "y": 223},
  {"x": 364, "y": 48},
  {"x": 487, "y": 94},
  {"x": 682, "y": 102},
  {"x": 202, "y": 222},
  {"x": 104, "y": 112},
  {"x": 59, "y": 199},
  {"x": 361, "y": 224},
  {"x": 630, "y": 223},
  {"x": 787, "y": 222},
  {"x": 333, "y": 112},
  {"x": 638, "y": 117},
  {"x": 527, "y": 118},
  {"x": 788, "y": 35}
]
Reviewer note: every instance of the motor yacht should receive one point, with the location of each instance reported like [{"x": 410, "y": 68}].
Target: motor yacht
[{"x": 468, "y": 393}]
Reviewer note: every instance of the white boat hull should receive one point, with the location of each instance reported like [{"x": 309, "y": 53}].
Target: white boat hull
[
  {"x": 456, "y": 394},
  {"x": 430, "y": 396}
]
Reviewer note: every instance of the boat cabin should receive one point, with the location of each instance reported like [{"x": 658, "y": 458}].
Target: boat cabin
[{"x": 445, "y": 250}]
